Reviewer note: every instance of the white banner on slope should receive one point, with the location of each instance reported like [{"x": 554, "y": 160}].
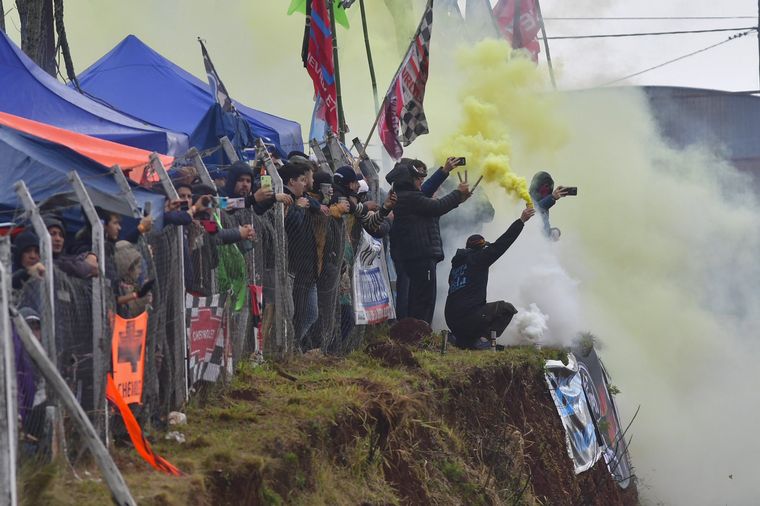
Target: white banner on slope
[
  {"x": 372, "y": 289},
  {"x": 566, "y": 388}
]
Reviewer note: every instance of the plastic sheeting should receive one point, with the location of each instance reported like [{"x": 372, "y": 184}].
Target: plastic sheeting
[
  {"x": 137, "y": 80},
  {"x": 28, "y": 91}
]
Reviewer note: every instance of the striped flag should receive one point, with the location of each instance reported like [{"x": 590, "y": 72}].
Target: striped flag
[
  {"x": 318, "y": 59},
  {"x": 218, "y": 90},
  {"x": 402, "y": 117}
]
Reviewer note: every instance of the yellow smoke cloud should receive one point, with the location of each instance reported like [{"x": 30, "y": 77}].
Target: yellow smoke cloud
[{"x": 503, "y": 107}]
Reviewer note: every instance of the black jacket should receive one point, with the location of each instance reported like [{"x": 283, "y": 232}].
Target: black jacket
[
  {"x": 468, "y": 280},
  {"x": 415, "y": 234},
  {"x": 302, "y": 245}
]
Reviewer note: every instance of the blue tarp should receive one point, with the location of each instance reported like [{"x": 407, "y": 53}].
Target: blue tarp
[
  {"x": 216, "y": 124},
  {"x": 44, "y": 167},
  {"x": 28, "y": 91},
  {"x": 135, "y": 79}
]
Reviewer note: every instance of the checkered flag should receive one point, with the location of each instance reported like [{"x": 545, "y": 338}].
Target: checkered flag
[{"x": 402, "y": 117}]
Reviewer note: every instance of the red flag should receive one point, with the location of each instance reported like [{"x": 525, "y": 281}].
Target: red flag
[
  {"x": 529, "y": 25},
  {"x": 135, "y": 432},
  {"x": 402, "y": 118},
  {"x": 319, "y": 58}
]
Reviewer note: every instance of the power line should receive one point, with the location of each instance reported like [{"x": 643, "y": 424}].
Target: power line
[
  {"x": 733, "y": 37},
  {"x": 646, "y": 18},
  {"x": 646, "y": 34}
]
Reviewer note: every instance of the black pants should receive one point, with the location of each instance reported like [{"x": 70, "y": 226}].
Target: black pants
[
  {"x": 422, "y": 288},
  {"x": 471, "y": 325}
]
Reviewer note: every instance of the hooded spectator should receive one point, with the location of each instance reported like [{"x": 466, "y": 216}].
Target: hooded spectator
[
  {"x": 83, "y": 265},
  {"x": 544, "y": 196},
  {"x": 242, "y": 182},
  {"x": 416, "y": 246},
  {"x": 131, "y": 298},
  {"x": 469, "y": 317},
  {"x": 26, "y": 259}
]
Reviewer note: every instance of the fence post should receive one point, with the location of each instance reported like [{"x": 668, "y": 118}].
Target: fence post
[
  {"x": 171, "y": 194},
  {"x": 47, "y": 306},
  {"x": 337, "y": 153},
  {"x": 99, "y": 314},
  {"x": 126, "y": 190},
  {"x": 8, "y": 407},
  {"x": 111, "y": 473},
  {"x": 320, "y": 155},
  {"x": 46, "y": 256},
  {"x": 200, "y": 167},
  {"x": 283, "y": 345},
  {"x": 229, "y": 149},
  {"x": 369, "y": 170}
]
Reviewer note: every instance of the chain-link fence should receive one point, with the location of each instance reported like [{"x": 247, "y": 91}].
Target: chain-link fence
[{"x": 170, "y": 310}]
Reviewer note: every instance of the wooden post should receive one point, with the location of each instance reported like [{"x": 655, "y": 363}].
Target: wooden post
[
  {"x": 100, "y": 353},
  {"x": 8, "y": 404},
  {"x": 111, "y": 474}
]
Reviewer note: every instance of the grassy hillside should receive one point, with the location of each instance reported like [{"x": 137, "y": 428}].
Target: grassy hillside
[{"x": 394, "y": 424}]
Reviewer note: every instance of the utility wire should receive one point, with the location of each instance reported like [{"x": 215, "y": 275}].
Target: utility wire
[
  {"x": 733, "y": 37},
  {"x": 646, "y": 34},
  {"x": 646, "y": 18}
]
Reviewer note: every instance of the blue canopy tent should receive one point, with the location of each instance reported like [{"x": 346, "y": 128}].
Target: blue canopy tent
[
  {"x": 44, "y": 167},
  {"x": 29, "y": 92},
  {"x": 135, "y": 79},
  {"x": 214, "y": 125}
]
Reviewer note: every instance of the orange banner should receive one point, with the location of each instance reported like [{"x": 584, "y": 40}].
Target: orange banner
[
  {"x": 135, "y": 431},
  {"x": 128, "y": 356}
]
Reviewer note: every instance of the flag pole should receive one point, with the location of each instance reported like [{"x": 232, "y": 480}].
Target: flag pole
[
  {"x": 341, "y": 117},
  {"x": 516, "y": 35},
  {"x": 369, "y": 56},
  {"x": 403, "y": 59},
  {"x": 546, "y": 43}
]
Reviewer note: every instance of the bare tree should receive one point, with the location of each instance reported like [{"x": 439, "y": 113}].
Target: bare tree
[{"x": 37, "y": 35}]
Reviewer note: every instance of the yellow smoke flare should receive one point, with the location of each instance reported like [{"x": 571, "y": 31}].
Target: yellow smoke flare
[{"x": 503, "y": 106}]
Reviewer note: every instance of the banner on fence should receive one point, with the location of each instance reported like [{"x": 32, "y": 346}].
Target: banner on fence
[
  {"x": 566, "y": 388},
  {"x": 209, "y": 347},
  {"x": 372, "y": 288},
  {"x": 604, "y": 411},
  {"x": 128, "y": 356}
]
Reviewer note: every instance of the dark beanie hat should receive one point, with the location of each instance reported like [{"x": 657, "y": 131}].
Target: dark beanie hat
[
  {"x": 292, "y": 171},
  {"x": 202, "y": 189},
  {"x": 297, "y": 153},
  {"x": 476, "y": 241},
  {"x": 345, "y": 175},
  {"x": 23, "y": 241},
  {"x": 322, "y": 177}
]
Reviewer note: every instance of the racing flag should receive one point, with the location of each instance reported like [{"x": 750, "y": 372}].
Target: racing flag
[
  {"x": 402, "y": 118},
  {"x": 217, "y": 86},
  {"x": 527, "y": 28},
  {"x": 317, "y": 57}
]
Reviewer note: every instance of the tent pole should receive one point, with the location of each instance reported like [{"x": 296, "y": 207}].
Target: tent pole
[
  {"x": 546, "y": 43},
  {"x": 341, "y": 118}
]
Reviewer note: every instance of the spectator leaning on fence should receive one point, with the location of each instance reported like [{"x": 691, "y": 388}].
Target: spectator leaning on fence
[
  {"x": 83, "y": 265},
  {"x": 132, "y": 298},
  {"x": 302, "y": 249},
  {"x": 416, "y": 246},
  {"x": 26, "y": 259},
  {"x": 243, "y": 183}
]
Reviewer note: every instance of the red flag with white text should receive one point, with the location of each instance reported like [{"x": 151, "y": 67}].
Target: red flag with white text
[{"x": 319, "y": 58}]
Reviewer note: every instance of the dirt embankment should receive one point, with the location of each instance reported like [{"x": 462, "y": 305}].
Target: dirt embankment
[{"x": 397, "y": 424}]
